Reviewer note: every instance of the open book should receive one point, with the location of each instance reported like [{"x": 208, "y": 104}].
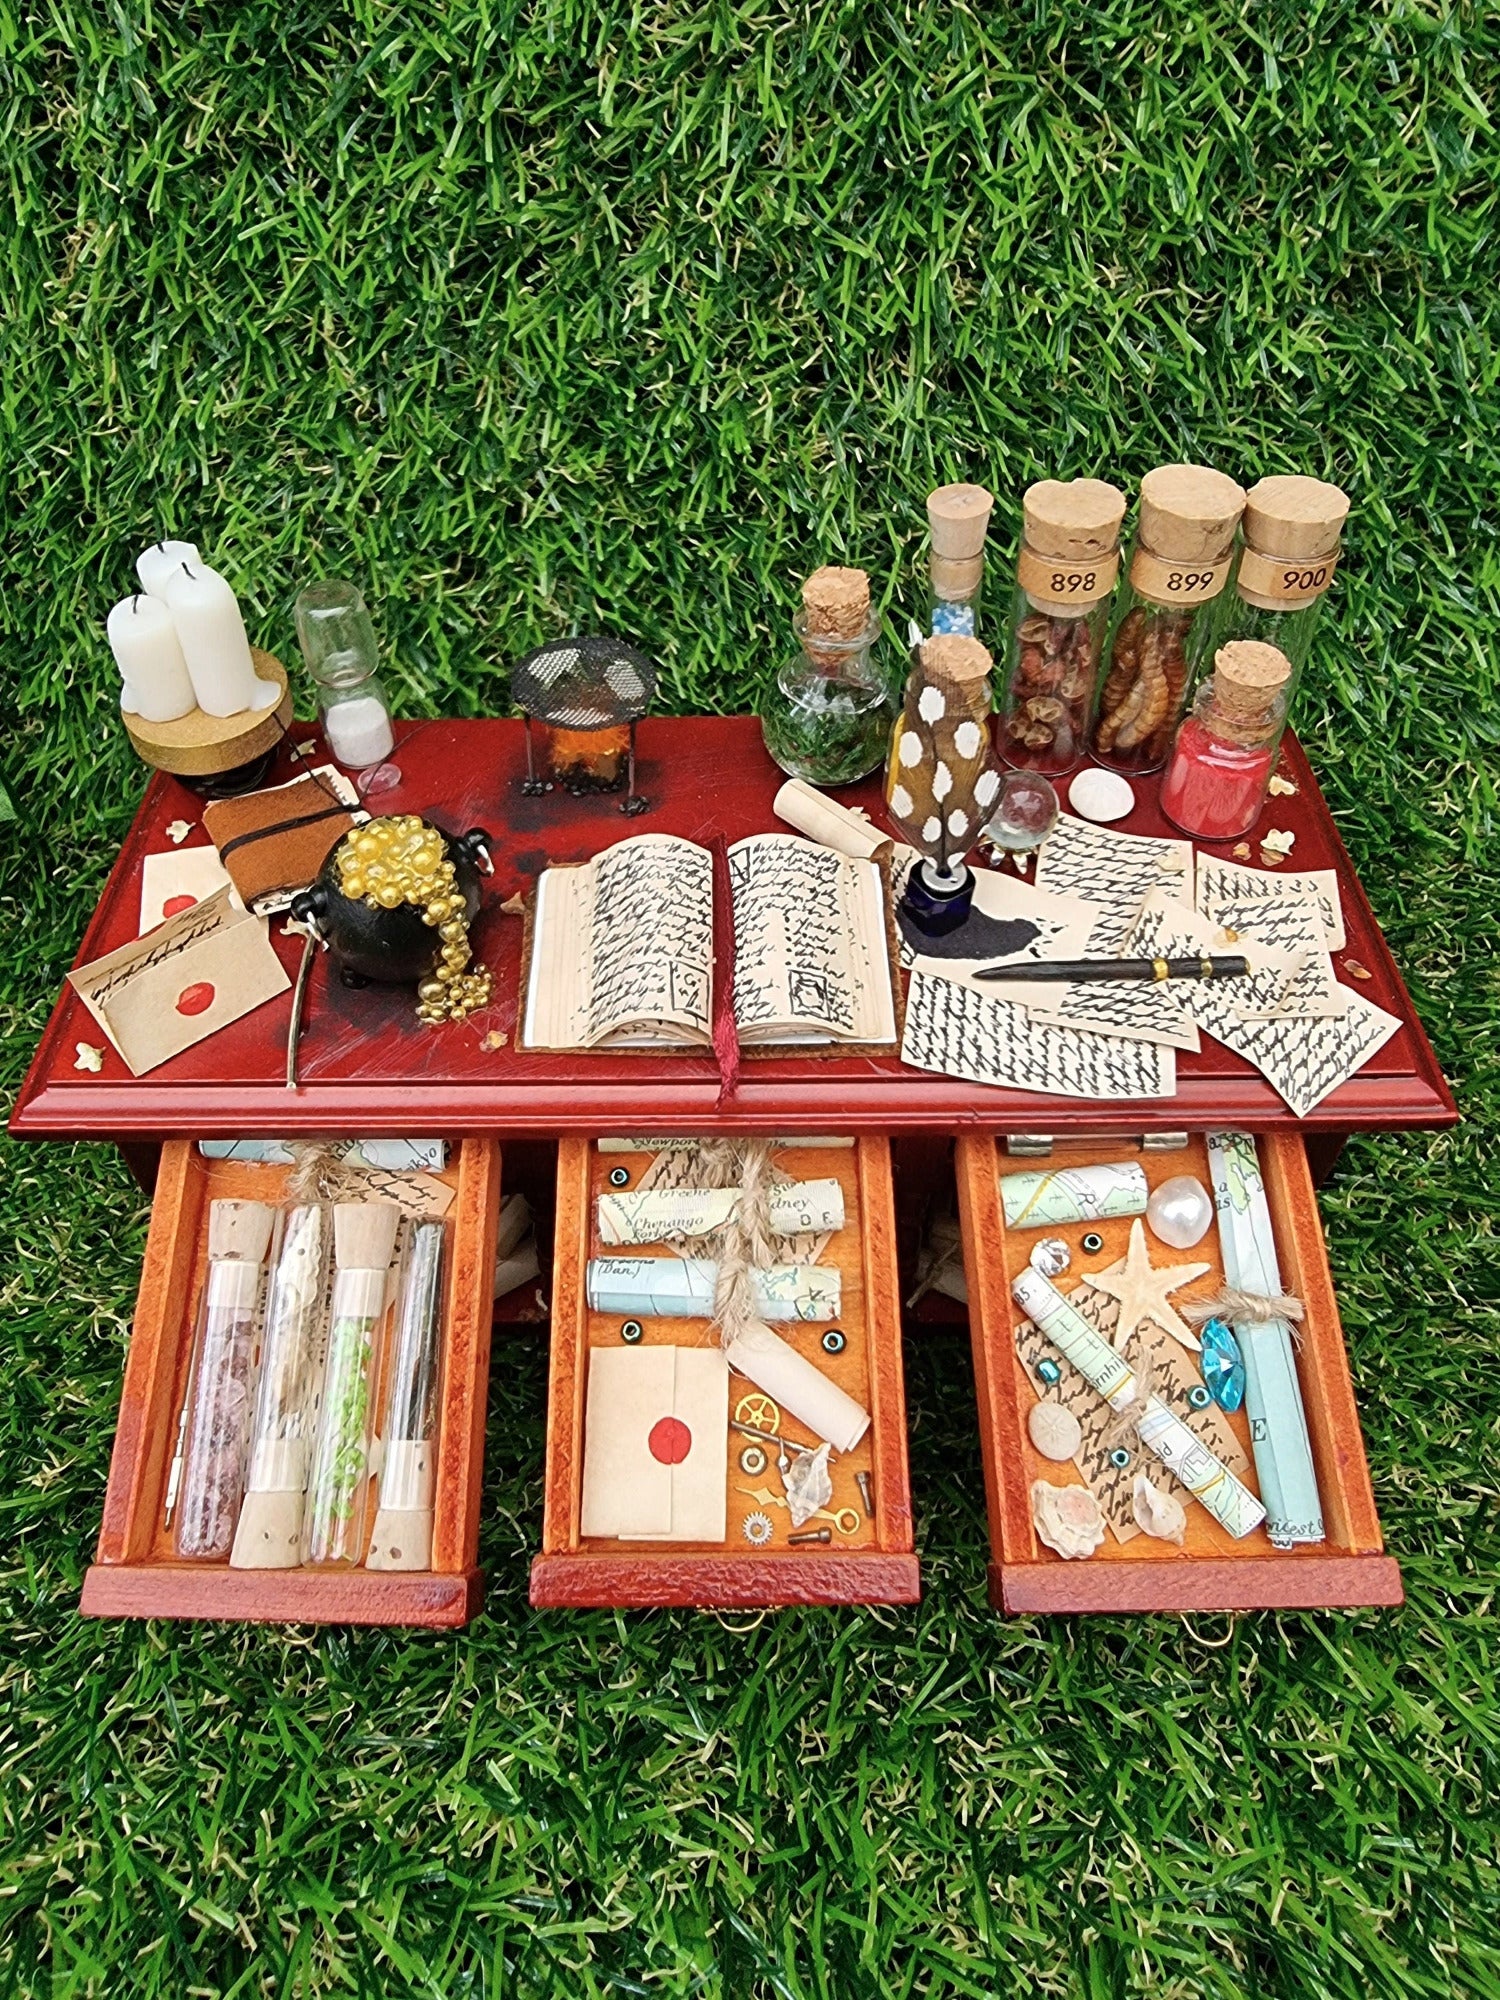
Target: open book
[{"x": 622, "y": 949}]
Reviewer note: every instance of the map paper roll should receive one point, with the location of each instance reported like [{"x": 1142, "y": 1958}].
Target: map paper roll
[
  {"x": 1073, "y": 1194},
  {"x": 1273, "y": 1396},
  {"x": 683, "y": 1288},
  {"x": 650, "y": 1214},
  {"x": 802, "y": 1390},
  {"x": 1184, "y": 1454}
]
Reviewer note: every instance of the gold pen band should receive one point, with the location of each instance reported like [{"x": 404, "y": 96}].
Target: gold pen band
[{"x": 1160, "y": 969}]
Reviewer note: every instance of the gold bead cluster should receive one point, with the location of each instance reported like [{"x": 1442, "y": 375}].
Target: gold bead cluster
[{"x": 390, "y": 862}]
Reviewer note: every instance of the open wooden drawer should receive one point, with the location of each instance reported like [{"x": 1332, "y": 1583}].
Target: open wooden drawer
[
  {"x": 869, "y": 1556},
  {"x": 1212, "y": 1571},
  {"x": 136, "y": 1573}
]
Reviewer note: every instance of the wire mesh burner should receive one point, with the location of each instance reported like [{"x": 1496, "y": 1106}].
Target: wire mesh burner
[{"x": 588, "y": 694}]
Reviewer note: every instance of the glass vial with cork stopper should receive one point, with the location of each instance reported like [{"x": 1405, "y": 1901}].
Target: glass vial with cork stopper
[
  {"x": 825, "y": 715},
  {"x": 1293, "y": 529},
  {"x": 1065, "y": 575},
  {"x": 1181, "y": 561},
  {"x": 959, "y": 518},
  {"x": 1226, "y": 746}
]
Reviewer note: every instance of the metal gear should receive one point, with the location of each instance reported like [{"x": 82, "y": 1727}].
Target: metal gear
[
  {"x": 758, "y": 1412},
  {"x": 757, "y": 1529}
]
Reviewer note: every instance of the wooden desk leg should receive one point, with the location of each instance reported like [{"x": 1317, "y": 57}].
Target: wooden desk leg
[
  {"x": 1323, "y": 1150},
  {"x": 143, "y": 1157}
]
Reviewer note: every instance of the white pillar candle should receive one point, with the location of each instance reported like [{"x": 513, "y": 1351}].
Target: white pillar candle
[
  {"x": 147, "y": 651},
  {"x": 157, "y": 565},
  {"x": 207, "y": 616},
  {"x": 359, "y": 731}
]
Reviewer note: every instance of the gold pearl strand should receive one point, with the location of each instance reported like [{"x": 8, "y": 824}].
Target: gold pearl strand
[{"x": 402, "y": 860}]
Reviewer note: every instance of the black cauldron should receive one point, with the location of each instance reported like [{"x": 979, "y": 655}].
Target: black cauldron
[{"x": 393, "y": 946}]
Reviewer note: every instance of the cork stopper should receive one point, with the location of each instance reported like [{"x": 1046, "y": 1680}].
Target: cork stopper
[
  {"x": 1189, "y": 513},
  {"x": 837, "y": 602},
  {"x": 1073, "y": 520},
  {"x": 1249, "y": 676},
  {"x": 1295, "y": 519},
  {"x": 959, "y": 517},
  {"x": 957, "y": 658}
]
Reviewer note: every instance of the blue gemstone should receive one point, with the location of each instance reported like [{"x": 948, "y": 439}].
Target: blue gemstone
[
  {"x": 1222, "y": 1364},
  {"x": 1049, "y": 1372}
]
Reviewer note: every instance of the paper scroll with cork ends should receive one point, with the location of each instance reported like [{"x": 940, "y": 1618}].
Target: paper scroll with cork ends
[{"x": 211, "y": 633}]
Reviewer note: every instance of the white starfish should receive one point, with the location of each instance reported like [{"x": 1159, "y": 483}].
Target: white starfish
[{"x": 1142, "y": 1291}]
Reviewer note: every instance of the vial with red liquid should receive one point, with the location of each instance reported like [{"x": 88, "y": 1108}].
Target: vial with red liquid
[{"x": 1225, "y": 749}]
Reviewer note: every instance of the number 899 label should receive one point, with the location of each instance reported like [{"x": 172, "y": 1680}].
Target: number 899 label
[
  {"x": 1175, "y": 583},
  {"x": 1074, "y": 586}
]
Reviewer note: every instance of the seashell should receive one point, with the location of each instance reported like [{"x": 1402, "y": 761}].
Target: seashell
[
  {"x": 1157, "y": 1513},
  {"x": 1054, "y": 1431},
  {"x": 1067, "y": 1518},
  {"x": 1101, "y": 795}
]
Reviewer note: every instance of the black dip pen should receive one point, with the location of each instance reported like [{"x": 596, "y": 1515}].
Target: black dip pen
[{"x": 1065, "y": 969}]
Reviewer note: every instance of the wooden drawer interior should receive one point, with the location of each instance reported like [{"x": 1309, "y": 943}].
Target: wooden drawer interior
[
  {"x": 136, "y": 1572},
  {"x": 1212, "y": 1571},
  {"x": 873, "y": 1564}
]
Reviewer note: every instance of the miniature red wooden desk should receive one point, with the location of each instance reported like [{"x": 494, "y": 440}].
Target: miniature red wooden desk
[{"x": 369, "y": 1068}]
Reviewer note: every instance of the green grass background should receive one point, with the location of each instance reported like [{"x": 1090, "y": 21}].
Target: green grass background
[{"x": 630, "y": 315}]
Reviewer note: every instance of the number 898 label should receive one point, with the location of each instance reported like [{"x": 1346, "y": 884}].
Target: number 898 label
[{"x": 1076, "y": 585}]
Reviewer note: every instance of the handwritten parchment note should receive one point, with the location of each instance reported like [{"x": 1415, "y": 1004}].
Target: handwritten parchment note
[{"x": 959, "y": 1031}]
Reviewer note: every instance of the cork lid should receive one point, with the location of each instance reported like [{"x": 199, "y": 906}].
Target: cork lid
[
  {"x": 837, "y": 601},
  {"x": 1189, "y": 513},
  {"x": 956, "y": 576},
  {"x": 1295, "y": 518},
  {"x": 960, "y": 659},
  {"x": 1075, "y": 520},
  {"x": 1248, "y": 676},
  {"x": 959, "y": 517}
]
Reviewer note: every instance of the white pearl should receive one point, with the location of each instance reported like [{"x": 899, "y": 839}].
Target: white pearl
[{"x": 1180, "y": 1211}]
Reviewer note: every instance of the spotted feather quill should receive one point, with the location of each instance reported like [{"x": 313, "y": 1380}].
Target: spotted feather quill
[{"x": 943, "y": 783}]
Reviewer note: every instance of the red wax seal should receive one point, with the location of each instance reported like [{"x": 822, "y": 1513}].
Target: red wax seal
[
  {"x": 174, "y": 904},
  {"x": 195, "y": 999},
  {"x": 670, "y": 1441}
]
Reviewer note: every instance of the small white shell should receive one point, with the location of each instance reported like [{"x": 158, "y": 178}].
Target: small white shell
[
  {"x": 966, "y": 739},
  {"x": 901, "y": 802},
  {"x": 958, "y": 824},
  {"x": 986, "y": 786},
  {"x": 1067, "y": 1518},
  {"x": 930, "y": 704},
  {"x": 909, "y": 751},
  {"x": 1157, "y": 1513},
  {"x": 1054, "y": 1430},
  {"x": 1100, "y": 795}
]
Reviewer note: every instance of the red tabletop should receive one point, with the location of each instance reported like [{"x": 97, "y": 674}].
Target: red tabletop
[{"x": 370, "y": 1068}]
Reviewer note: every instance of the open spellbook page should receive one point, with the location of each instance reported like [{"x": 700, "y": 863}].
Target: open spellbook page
[
  {"x": 622, "y": 949},
  {"x": 811, "y": 958}
]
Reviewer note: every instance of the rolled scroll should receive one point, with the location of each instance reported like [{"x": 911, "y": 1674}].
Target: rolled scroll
[
  {"x": 824, "y": 820},
  {"x": 1073, "y": 1194},
  {"x": 683, "y": 1288},
  {"x": 1106, "y": 1370},
  {"x": 649, "y": 1215},
  {"x": 1273, "y": 1397},
  {"x": 802, "y": 1390}
]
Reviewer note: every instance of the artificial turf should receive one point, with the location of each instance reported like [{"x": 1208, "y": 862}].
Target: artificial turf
[{"x": 627, "y": 317}]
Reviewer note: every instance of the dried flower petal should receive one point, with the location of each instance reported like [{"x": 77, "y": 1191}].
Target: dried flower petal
[
  {"x": 1242, "y": 852},
  {"x": 1281, "y": 788},
  {"x": 1360, "y": 971},
  {"x": 494, "y": 1040},
  {"x": 179, "y": 830},
  {"x": 88, "y": 1058}
]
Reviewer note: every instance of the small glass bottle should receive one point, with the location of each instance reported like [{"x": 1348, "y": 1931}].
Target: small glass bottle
[
  {"x": 338, "y": 644},
  {"x": 959, "y": 518},
  {"x": 1065, "y": 574},
  {"x": 1183, "y": 554},
  {"x": 1293, "y": 528},
  {"x": 1226, "y": 746},
  {"x": 826, "y": 715}
]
